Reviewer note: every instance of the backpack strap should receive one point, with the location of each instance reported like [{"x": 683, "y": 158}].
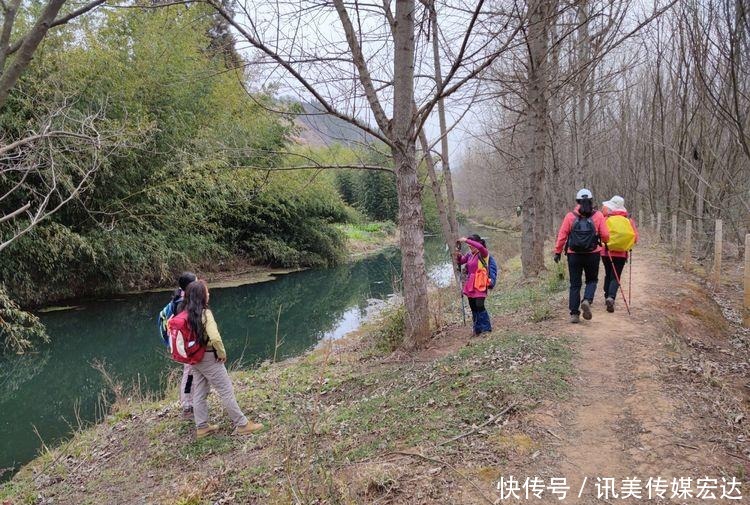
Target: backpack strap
[{"x": 484, "y": 263}]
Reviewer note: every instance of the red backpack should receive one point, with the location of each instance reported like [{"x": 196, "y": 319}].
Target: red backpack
[{"x": 183, "y": 341}]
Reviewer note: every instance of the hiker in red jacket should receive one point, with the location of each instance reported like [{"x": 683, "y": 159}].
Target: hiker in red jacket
[
  {"x": 614, "y": 259},
  {"x": 580, "y": 236}
]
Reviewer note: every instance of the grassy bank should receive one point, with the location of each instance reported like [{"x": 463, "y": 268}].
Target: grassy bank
[
  {"x": 363, "y": 239},
  {"x": 348, "y": 423},
  {"x": 509, "y": 222}
]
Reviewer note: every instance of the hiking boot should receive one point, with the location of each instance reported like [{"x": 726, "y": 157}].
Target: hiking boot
[
  {"x": 586, "y": 309},
  {"x": 248, "y": 429},
  {"x": 575, "y": 319},
  {"x": 610, "y": 302},
  {"x": 208, "y": 430},
  {"x": 187, "y": 413}
]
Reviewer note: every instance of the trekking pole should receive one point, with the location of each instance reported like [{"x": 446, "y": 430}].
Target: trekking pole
[
  {"x": 463, "y": 304},
  {"x": 458, "y": 281},
  {"x": 617, "y": 278},
  {"x": 630, "y": 275}
]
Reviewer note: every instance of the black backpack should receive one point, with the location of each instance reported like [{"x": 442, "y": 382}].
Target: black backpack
[{"x": 583, "y": 237}]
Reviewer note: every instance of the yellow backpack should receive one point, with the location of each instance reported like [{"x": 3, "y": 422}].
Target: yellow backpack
[{"x": 621, "y": 234}]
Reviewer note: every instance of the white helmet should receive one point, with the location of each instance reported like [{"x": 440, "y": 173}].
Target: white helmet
[{"x": 584, "y": 194}]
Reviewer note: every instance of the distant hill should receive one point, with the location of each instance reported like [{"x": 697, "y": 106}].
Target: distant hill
[{"x": 318, "y": 128}]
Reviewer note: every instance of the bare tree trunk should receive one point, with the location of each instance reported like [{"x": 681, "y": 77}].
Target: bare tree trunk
[
  {"x": 437, "y": 192},
  {"x": 444, "y": 153},
  {"x": 32, "y": 40},
  {"x": 411, "y": 220},
  {"x": 532, "y": 237},
  {"x": 448, "y": 234},
  {"x": 9, "y": 18},
  {"x": 555, "y": 182}
]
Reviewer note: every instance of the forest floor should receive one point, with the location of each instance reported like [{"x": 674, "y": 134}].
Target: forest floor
[{"x": 659, "y": 395}]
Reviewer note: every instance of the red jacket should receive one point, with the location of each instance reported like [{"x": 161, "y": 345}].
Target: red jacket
[
  {"x": 567, "y": 225},
  {"x": 621, "y": 254}
]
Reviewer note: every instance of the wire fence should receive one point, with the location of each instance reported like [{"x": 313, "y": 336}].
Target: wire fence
[{"x": 699, "y": 243}]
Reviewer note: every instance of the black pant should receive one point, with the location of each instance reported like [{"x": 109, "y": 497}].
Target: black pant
[
  {"x": 578, "y": 264},
  {"x": 610, "y": 281},
  {"x": 476, "y": 304}
]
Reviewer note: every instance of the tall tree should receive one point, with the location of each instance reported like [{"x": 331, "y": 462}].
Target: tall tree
[
  {"x": 535, "y": 136},
  {"x": 371, "y": 71}
]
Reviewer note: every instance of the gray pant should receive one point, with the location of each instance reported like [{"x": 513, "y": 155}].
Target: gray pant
[{"x": 210, "y": 372}]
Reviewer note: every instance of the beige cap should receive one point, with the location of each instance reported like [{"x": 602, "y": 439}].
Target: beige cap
[{"x": 615, "y": 203}]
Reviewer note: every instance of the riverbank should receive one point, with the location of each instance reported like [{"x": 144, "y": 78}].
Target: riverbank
[
  {"x": 369, "y": 238},
  {"x": 362, "y": 241},
  {"x": 508, "y": 223},
  {"x": 351, "y": 422}
]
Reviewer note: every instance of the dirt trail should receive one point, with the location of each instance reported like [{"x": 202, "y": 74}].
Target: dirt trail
[{"x": 622, "y": 421}]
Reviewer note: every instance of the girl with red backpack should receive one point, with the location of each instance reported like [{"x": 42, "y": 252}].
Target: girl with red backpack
[
  {"x": 196, "y": 318},
  {"x": 581, "y": 234}
]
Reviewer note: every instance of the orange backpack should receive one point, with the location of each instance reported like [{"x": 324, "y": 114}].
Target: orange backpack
[{"x": 481, "y": 276}]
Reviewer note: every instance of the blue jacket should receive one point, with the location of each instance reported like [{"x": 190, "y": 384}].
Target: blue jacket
[{"x": 167, "y": 312}]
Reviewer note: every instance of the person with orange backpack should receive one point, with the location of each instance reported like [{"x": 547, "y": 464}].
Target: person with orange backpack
[
  {"x": 623, "y": 235},
  {"x": 479, "y": 279},
  {"x": 580, "y": 236}
]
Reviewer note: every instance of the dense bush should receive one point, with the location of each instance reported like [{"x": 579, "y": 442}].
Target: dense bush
[
  {"x": 370, "y": 191},
  {"x": 288, "y": 226}
]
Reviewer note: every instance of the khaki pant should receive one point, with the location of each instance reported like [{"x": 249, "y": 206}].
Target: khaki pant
[
  {"x": 186, "y": 399},
  {"x": 209, "y": 372}
]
